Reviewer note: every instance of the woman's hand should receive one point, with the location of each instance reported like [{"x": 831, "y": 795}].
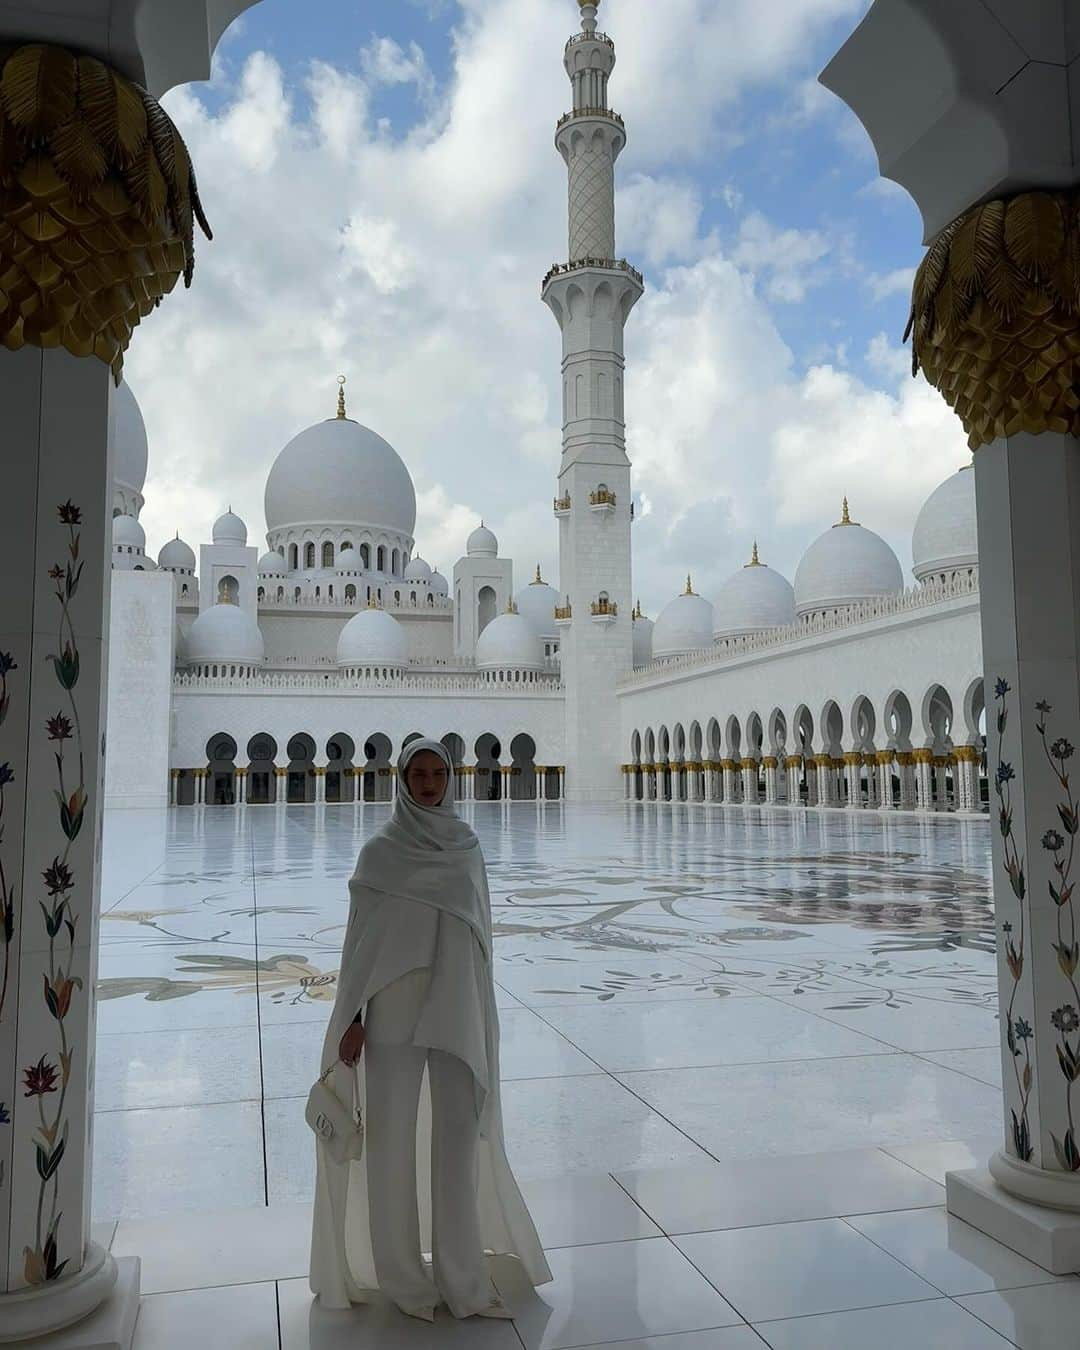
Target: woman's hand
[{"x": 351, "y": 1044}]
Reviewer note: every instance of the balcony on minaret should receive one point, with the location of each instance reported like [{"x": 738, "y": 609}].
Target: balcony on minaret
[
  {"x": 590, "y": 112},
  {"x": 562, "y": 505},
  {"x": 603, "y": 499},
  {"x": 562, "y": 612},
  {"x": 579, "y": 264},
  {"x": 603, "y": 610}
]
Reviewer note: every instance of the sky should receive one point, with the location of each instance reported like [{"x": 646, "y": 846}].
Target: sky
[{"x": 385, "y": 197}]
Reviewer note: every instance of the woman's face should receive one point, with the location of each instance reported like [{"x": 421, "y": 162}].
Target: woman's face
[{"x": 425, "y": 777}]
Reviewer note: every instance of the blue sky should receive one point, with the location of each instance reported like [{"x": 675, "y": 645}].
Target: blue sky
[{"x": 386, "y": 196}]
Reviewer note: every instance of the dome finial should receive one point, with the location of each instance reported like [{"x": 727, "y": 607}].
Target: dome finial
[
  {"x": 689, "y": 589},
  {"x": 755, "y": 561},
  {"x": 538, "y": 580},
  {"x": 637, "y": 609},
  {"x": 845, "y": 519},
  {"x": 511, "y": 608},
  {"x": 341, "y": 397}
]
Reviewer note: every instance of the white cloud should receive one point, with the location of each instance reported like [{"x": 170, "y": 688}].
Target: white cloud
[
  {"x": 895, "y": 282},
  {"x": 412, "y": 264}
]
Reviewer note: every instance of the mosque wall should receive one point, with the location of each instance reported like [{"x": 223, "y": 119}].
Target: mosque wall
[
  {"x": 244, "y": 712},
  {"x": 913, "y": 653},
  {"x": 141, "y": 659}
]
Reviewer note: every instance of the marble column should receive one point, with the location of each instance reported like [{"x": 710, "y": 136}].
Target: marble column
[
  {"x": 905, "y": 772},
  {"x": 174, "y": 775},
  {"x": 239, "y": 792},
  {"x": 281, "y": 783},
  {"x": 873, "y": 782},
  {"x": 768, "y": 764},
  {"x": 730, "y": 770},
  {"x": 853, "y": 776},
  {"x": 792, "y": 767},
  {"x": 813, "y": 777},
  {"x": 883, "y": 770},
  {"x": 562, "y": 782},
  {"x": 320, "y": 784},
  {"x": 826, "y": 776},
  {"x": 967, "y": 775},
  {"x": 993, "y": 163},
  {"x": 749, "y": 768},
  {"x": 923, "y": 794},
  {"x": 539, "y": 793}
]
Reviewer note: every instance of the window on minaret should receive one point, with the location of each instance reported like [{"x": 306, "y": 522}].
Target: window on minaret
[
  {"x": 380, "y": 559},
  {"x": 394, "y": 562},
  {"x": 293, "y": 559},
  {"x": 309, "y": 555},
  {"x": 228, "y": 591},
  {"x": 328, "y": 554},
  {"x": 365, "y": 558}
]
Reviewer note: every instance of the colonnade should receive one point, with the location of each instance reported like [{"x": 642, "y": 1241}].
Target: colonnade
[
  {"x": 549, "y": 784},
  {"x": 900, "y": 780}
]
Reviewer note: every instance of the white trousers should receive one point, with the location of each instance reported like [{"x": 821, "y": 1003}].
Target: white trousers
[{"x": 394, "y": 1069}]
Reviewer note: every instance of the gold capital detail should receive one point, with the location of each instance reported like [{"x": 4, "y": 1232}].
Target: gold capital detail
[
  {"x": 995, "y": 316},
  {"x": 97, "y": 204}
]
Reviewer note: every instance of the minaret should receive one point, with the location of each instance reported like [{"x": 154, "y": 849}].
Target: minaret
[{"x": 591, "y": 295}]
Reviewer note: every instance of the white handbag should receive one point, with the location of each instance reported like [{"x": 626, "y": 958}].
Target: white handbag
[{"x": 340, "y": 1127}]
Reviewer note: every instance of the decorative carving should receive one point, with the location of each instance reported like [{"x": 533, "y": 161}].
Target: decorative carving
[
  {"x": 97, "y": 204},
  {"x": 995, "y": 316}
]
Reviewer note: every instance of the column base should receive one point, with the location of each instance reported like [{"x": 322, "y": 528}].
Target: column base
[
  {"x": 94, "y": 1310},
  {"x": 1049, "y": 1237}
]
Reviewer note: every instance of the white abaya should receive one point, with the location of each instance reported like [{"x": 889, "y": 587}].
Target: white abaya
[{"x": 389, "y": 934}]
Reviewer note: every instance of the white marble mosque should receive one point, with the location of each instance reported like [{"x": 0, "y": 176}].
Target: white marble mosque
[{"x": 785, "y": 942}]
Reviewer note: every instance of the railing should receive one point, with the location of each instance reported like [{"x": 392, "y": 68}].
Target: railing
[
  {"x": 590, "y": 112},
  {"x": 850, "y": 616},
  {"x": 562, "y": 503},
  {"x": 562, "y": 612},
  {"x": 589, "y": 37},
  {"x": 602, "y": 498},
  {"x": 611, "y": 264},
  {"x": 405, "y": 681},
  {"x": 439, "y": 604},
  {"x": 598, "y": 607}
]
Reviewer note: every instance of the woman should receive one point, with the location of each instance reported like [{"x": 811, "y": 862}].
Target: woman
[{"x": 416, "y": 991}]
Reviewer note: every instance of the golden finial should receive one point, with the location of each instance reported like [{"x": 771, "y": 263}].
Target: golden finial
[
  {"x": 372, "y": 601},
  {"x": 845, "y": 519},
  {"x": 689, "y": 589},
  {"x": 538, "y": 580},
  {"x": 341, "y": 396},
  {"x": 511, "y": 608},
  {"x": 637, "y": 614},
  {"x": 755, "y": 561}
]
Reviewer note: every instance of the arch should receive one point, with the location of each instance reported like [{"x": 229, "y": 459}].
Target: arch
[
  {"x": 733, "y": 738},
  {"x": 300, "y": 774},
  {"x": 261, "y": 753},
  {"x": 755, "y": 735},
  {"x": 455, "y": 745},
  {"x": 412, "y": 736},
  {"x": 261, "y": 593},
  {"x": 309, "y": 555},
  {"x": 831, "y": 723},
  {"x": 380, "y": 558},
  {"x": 228, "y": 590},
  {"x": 221, "y": 769},
  {"x": 937, "y": 718},
  {"x": 327, "y": 553},
  {"x": 974, "y": 708},
  {"x": 395, "y": 563},
  {"x": 485, "y": 608},
  {"x": 280, "y": 592},
  {"x": 293, "y": 558},
  {"x": 777, "y": 725},
  {"x": 487, "y": 751},
  {"x": 713, "y": 738},
  {"x": 340, "y": 749},
  {"x": 350, "y": 592},
  {"x": 377, "y": 782},
  {"x": 365, "y": 555},
  {"x": 898, "y": 720},
  {"x": 863, "y": 723},
  {"x": 522, "y": 767}
]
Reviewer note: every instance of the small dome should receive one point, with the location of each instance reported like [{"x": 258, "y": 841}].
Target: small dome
[
  {"x": 643, "y": 638},
  {"x": 176, "y": 556},
  {"x": 752, "y": 599},
  {"x": 944, "y": 538},
  {"x": 224, "y": 632},
  {"x": 482, "y": 543},
  {"x": 229, "y": 529},
  {"x": 128, "y": 533},
  {"x": 508, "y": 642},
  {"x": 417, "y": 570},
  {"x": 127, "y": 432},
  {"x": 845, "y": 565},
  {"x": 348, "y": 560},
  {"x": 536, "y": 603},
  {"x": 339, "y": 471},
  {"x": 373, "y": 638},
  {"x": 271, "y": 564},
  {"x": 685, "y": 624},
  {"x": 439, "y": 583}
]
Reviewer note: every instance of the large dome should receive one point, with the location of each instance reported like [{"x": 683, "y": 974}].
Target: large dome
[
  {"x": 225, "y": 633},
  {"x": 752, "y": 599},
  {"x": 229, "y": 529},
  {"x": 128, "y": 435},
  {"x": 339, "y": 472},
  {"x": 373, "y": 638},
  {"x": 944, "y": 539},
  {"x": 536, "y": 604},
  {"x": 128, "y": 534},
  {"x": 846, "y": 564},
  {"x": 685, "y": 624},
  {"x": 509, "y": 642},
  {"x": 482, "y": 543},
  {"x": 176, "y": 556}
]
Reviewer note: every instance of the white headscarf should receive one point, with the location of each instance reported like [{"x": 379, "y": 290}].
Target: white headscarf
[{"x": 428, "y": 853}]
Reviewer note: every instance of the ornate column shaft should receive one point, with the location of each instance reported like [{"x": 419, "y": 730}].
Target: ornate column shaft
[
  {"x": 281, "y": 783},
  {"x": 972, "y": 108},
  {"x": 769, "y": 763},
  {"x": 241, "y": 780},
  {"x": 853, "y": 775},
  {"x": 749, "y": 769},
  {"x": 320, "y": 783}
]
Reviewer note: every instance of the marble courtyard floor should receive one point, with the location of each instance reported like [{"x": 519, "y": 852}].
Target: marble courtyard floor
[{"x": 740, "y": 1049}]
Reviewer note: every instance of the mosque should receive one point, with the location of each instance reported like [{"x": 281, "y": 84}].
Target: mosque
[{"x": 297, "y": 674}]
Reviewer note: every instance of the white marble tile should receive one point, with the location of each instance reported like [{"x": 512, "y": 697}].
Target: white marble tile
[
  {"x": 922, "y": 1024},
  {"x": 555, "y": 1126},
  {"x": 218, "y": 1247},
  {"x": 1044, "y": 1317},
  {"x": 950, "y": 1254},
  {"x": 983, "y": 1065},
  {"x": 307, "y": 1325},
  {"x": 796, "y": 1269},
  {"x": 747, "y": 1030},
  {"x": 290, "y": 1151},
  {"x": 588, "y": 982},
  {"x": 173, "y": 1159},
  {"x": 817, "y": 1107},
  {"x": 937, "y": 1324},
  {"x": 935, "y": 1158},
  {"x": 581, "y": 1208},
  {"x": 179, "y": 1067},
  {"x": 241, "y": 1317},
  {"x": 530, "y": 1048},
  {"x": 611, "y": 1292},
  {"x": 754, "y": 1191},
  {"x": 291, "y": 1057}
]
